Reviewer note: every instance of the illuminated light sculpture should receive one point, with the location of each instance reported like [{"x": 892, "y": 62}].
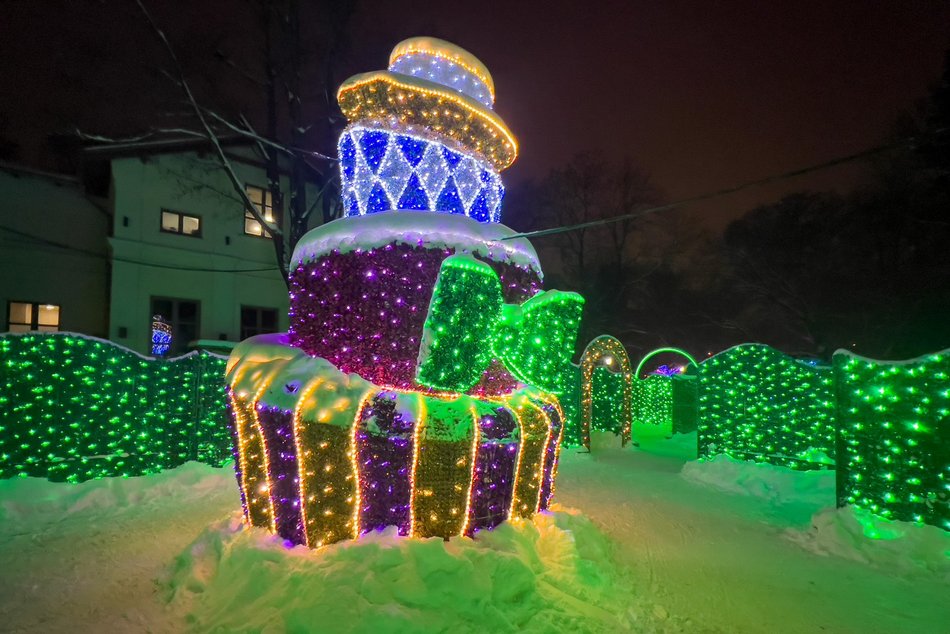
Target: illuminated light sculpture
[
  {"x": 607, "y": 352},
  {"x": 416, "y": 386}
]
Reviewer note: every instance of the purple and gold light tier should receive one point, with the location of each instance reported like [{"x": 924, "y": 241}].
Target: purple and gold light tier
[
  {"x": 325, "y": 456},
  {"x": 360, "y": 290}
]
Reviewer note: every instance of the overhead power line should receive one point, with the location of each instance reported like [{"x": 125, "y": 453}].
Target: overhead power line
[
  {"x": 880, "y": 149},
  {"x": 105, "y": 256}
]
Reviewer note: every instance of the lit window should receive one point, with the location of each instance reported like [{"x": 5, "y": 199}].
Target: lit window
[
  {"x": 177, "y": 222},
  {"x": 257, "y": 321},
  {"x": 263, "y": 199},
  {"x": 27, "y": 316}
]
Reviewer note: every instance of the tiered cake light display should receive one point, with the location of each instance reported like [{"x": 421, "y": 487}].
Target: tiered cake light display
[{"x": 414, "y": 388}]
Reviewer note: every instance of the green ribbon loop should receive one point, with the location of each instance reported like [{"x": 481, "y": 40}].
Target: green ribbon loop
[{"x": 469, "y": 324}]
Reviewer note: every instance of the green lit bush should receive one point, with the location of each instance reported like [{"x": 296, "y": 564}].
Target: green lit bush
[
  {"x": 685, "y": 402},
  {"x": 73, "y": 408},
  {"x": 570, "y": 401},
  {"x": 607, "y": 399},
  {"x": 653, "y": 401}
]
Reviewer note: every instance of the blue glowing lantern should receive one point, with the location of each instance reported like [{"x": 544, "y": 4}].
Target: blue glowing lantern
[{"x": 161, "y": 336}]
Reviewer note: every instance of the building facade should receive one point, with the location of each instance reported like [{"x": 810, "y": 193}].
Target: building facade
[
  {"x": 171, "y": 239},
  {"x": 54, "y": 259}
]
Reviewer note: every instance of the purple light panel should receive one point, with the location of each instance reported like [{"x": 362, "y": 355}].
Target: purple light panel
[
  {"x": 364, "y": 311},
  {"x": 278, "y": 432},
  {"x": 494, "y": 471},
  {"x": 384, "y": 451}
]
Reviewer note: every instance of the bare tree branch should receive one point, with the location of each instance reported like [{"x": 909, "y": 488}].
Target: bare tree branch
[
  {"x": 272, "y": 228},
  {"x": 219, "y": 54}
]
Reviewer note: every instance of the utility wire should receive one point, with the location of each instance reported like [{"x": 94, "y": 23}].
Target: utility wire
[
  {"x": 103, "y": 256},
  {"x": 728, "y": 190}
]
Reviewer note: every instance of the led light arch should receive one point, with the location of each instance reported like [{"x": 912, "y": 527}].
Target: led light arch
[
  {"x": 605, "y": 351},
  {"x": 652, "y": 354}
]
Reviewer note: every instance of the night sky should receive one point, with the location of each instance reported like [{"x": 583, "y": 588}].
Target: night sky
[{"x": 701, "y": 95}]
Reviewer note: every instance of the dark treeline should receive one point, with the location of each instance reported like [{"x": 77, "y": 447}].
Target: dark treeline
[{"x": 813, "y": 272}]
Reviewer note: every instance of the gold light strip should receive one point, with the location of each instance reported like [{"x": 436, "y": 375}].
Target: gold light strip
[
  {"x": 416, "y": 439},
  {"x": 544, "y": 454},
  {"x": 476, "y": 439},
  {"x": 308, "y": 389},
  {"x": 355, "y": 461},
  {"x": 521, "y": 444}
]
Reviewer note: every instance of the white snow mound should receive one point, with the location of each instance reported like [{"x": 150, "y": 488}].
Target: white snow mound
[
  {"x": 553, "y": 573},
  {"x": 856, "y": 534},
  {"x": 24, "y": 500},
  {"x": 777, "y": 485}
]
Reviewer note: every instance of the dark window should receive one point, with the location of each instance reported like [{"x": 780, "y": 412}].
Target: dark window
[
  {"x": 177, "y": 222},
  {"x": 257, "y": 321},
  {"x": 27, "y": 316},
  {"x": 184, "y": 317},
  {"x": 263, "y": 199}
]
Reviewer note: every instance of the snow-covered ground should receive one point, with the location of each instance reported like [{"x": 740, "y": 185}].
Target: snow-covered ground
[{"x": 644, "y": 540}]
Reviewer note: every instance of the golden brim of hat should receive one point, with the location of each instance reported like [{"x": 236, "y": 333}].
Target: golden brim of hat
[{"x": 383, "y": 95}]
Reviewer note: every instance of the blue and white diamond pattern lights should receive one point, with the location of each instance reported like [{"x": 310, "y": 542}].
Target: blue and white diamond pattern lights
[{"x": 383, "y": 171}]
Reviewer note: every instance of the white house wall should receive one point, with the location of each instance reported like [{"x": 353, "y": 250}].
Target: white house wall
[
  {"x": 150, "y": 263},
  {"x": 54, "y": 210}
]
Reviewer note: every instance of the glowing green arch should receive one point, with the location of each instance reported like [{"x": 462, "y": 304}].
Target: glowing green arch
[
  {"x": 659, "y": 351},
  {"x": 601, "y": 352}
]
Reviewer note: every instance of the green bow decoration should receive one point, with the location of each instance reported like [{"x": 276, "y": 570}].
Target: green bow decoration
[{"x": 469, "y": 324}]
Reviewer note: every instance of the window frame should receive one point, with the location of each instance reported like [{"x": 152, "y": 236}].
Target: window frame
[
  {"x": 259, "y": 330},
  {"x": 265, "y": 193},
  {"x": 34, "y": 325},
  {"x": 181, "y": 221}
]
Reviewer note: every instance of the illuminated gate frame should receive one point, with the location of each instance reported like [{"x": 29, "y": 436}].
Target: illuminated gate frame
[
  {"x": 601, "y": 352},
  {"x": 658, "y": 351}
]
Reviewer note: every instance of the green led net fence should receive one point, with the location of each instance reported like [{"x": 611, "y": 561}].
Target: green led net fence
[
  {"x": 894, "y": 436},
  {"x": 756, "y": 403},
  {"x": 73, "y": 408}
]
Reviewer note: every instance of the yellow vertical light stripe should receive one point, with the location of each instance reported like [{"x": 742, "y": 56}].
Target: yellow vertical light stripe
[
  {"x": 303, "y": 453},
  {"x": 544, "y": 454},
  {"x": 521, "y": 446},
  {"x": 242, "y": 458},
  {"x": 355, "y": 461},
  {"x": 260, "y": 431},
  {"x": 476, "y": 439},
  {"x": 416, "y": 439}
]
